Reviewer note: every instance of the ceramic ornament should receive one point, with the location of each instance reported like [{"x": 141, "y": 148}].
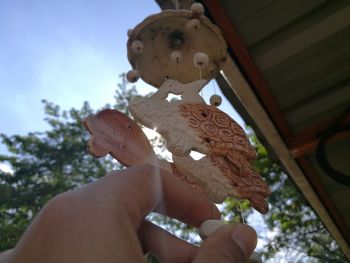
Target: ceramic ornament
[
  {"x": 114, "y": 133},
  {"x": 178, "y": 52},
  {"x": 184, "y": 31},
  {"x": 225, "y": 171},
  {"x": 215, "y": 100}
]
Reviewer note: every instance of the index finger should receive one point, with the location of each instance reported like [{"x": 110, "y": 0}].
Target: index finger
[{"x": 146, "y": 188}]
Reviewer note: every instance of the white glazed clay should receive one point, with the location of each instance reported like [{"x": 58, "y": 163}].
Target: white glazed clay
[
  {"x": 137, "y": 46},
  {"x": 176, "y": 56},
  {"x": 193, "y": 25},
  {"x": 197, "y": 9},
  {"x": 208, "y": 227},
  {"x": 188, "y": 126},
  {"x": 166, "y": 32},
  {"x": 203, "y": 172},
  {"x": 163, "y": 116},
  {"x": 180, "y": 46},
  {"x": 189, "y": 92},
  {"x": 201, "y": 60},
  {"x": 133, "y": 75}
]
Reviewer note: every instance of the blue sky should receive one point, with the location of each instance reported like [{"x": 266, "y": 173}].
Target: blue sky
[{"x": 64, "y": 51}]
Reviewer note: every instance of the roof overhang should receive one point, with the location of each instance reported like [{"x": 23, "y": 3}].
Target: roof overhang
[
  {"x": 249, "y": 86},
  {"x": 247, "y": 81}
]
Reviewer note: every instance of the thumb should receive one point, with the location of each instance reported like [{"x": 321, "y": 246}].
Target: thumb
[{"x": 230, "y": 243}]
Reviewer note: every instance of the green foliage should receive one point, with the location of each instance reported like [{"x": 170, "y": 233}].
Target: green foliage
[
  {"x": 297, "y": 229},
  {"x": 47, "y": 163}
]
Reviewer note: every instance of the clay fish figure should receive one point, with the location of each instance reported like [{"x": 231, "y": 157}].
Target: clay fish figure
[{"x": 194, "y": 126}]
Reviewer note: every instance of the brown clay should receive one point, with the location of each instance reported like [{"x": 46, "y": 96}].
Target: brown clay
[{"x": 116, "y": 134}]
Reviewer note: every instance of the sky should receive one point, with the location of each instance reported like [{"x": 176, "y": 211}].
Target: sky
[{"x": 67, "y": 52}]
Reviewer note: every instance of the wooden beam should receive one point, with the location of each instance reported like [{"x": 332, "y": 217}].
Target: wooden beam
[
  {"x": 258, "y": 90},
  {"x": 324, "y": 196},
  {"x": 306, "y": 141},
  {"x": 248, "y": 99},
  {"x": 247, "y": 65}
]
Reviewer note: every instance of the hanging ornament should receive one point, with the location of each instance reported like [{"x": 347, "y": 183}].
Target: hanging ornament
[
  {"x": 137, "y": 47},
  {"x": 129, "y": 32},
  {"x": 175, "y": 46},
  {"x": 215, "y": 100},
  {"x": 163, "y": 33},
  {"x": 133, "y": 76},
  {"x": 197, "y": 9},
  {"x": 193, "y": 25},
  {"x": 188, "y": 40},
  {"x": 176, "y": 56},
  {"x": 200, "y": 60}
]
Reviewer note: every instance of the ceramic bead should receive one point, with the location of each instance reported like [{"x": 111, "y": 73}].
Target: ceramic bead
[
  {"x": 200, "y": 60},
  {"x": 133, "y": 75},
  {"x": 208, "y": 227},
  {"x": 193, "y": 25},
  {"x": 137, "y": 46},
  {"x": 176, "y": 56},
  {"x": 215, "y": 100},
  {"x": 197, "y": 9}
]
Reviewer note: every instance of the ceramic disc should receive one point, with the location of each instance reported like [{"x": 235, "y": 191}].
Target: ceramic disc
[{"x": 175, "y": 30}]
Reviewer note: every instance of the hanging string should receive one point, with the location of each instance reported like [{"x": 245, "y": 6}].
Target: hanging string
[
  {"x": 176, "y": 4},
  {"x": 241, "y": 211},
  {"x": 200, "y": 76},
  {"x": 177, "y": 69},
  {"x": 214, "y": 86}
]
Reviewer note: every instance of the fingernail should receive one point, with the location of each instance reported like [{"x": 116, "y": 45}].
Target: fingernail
[{"x": 245, "y": 237}]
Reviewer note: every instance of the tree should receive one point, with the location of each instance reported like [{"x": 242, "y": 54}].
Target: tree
[
  {"x": 44, "y": 164},
  {"x": 297, "y": 228},
  {"x": 47, "y": 163}
]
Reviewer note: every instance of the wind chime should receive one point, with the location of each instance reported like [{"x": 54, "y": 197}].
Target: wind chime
[{"x": 179, "y": 52}]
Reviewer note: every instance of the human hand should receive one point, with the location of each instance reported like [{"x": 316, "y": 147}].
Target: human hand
[{"x": 104, "y": 222}]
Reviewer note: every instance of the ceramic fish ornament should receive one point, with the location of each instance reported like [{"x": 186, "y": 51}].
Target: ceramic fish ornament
[
  {"x": 191, "y": 125},
  {"x": 178, "y": 52}
]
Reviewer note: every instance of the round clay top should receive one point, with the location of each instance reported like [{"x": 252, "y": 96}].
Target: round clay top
[{"x": 181, "y": 31}]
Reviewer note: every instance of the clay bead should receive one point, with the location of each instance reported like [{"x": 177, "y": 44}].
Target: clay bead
[
  {"x": 208, "y": 227},
  {"x": 133, "y": 75},
  {"x": 176, "y": 56},
  {"x": 197, "y": 9},
  {"x": 193, "y": 25},
  {"x": 137, "y": 46},
  {"x": 200, "y": 59},
  {"x": 215, "y": 100}
]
